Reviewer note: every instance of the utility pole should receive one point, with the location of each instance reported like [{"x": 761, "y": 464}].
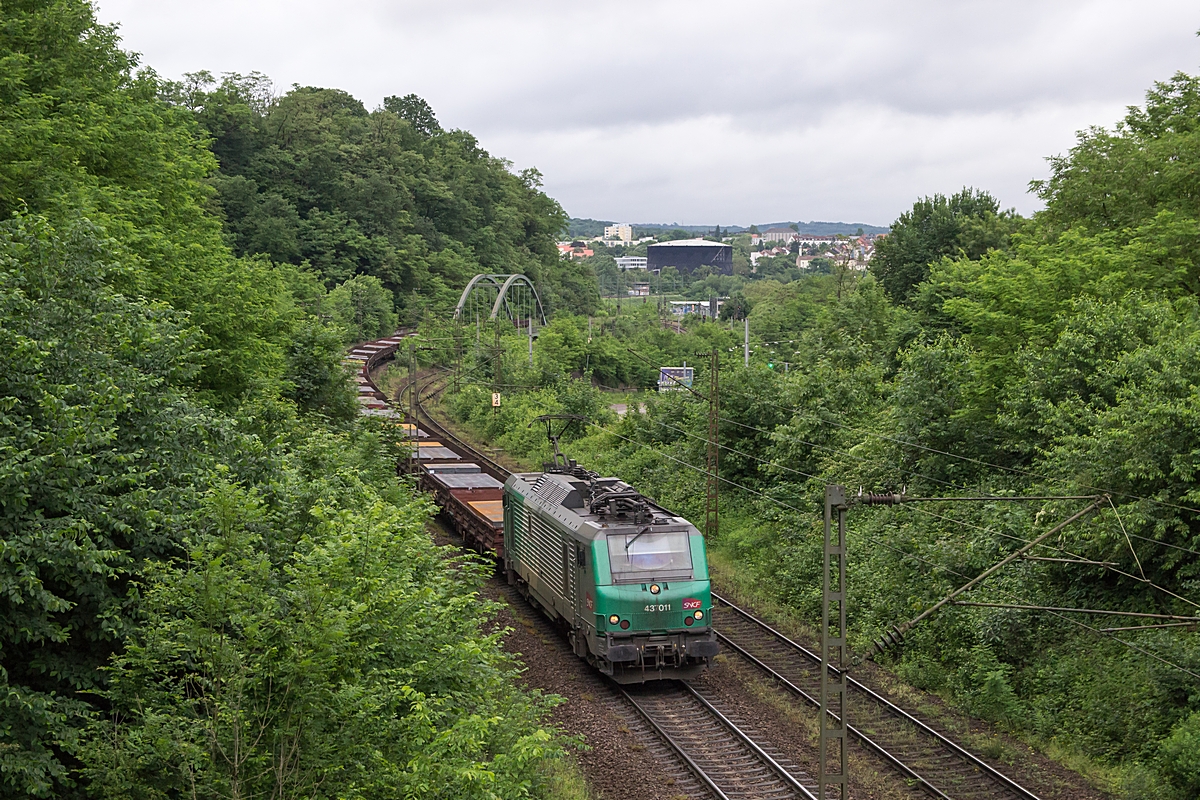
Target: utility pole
[
  {"x": 530, "y": 340},
  {"x": 497, "y": 368},
  {"x": 831, "y": 768},
  {"x": 458, "y": 351},
  {"x": 746, "y": 342},
  {"x": 712, "y": 522},
  {"x": 412, "y": 397}
]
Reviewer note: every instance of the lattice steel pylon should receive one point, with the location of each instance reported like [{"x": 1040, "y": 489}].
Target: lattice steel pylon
[
  {"x": 831, "y": 768},
  {"x": 712, "y": 521}
]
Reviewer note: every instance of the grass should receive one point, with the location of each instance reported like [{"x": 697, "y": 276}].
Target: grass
[{"x": 566, "y": 781}]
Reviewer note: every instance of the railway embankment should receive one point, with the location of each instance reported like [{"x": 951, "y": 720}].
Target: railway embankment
[{"x": 921, "y": 747}]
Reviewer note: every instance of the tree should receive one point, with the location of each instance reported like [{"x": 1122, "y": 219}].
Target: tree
[
  {"x": 418, "y": 113},
  {"x": 315, "y": 378},
  {"x": 312, "y": 176},
  {"x": 736, "y": 307},
  {"x": 1120, "y": 179},
  {"x": 969, "y": 222},
  {"x": 82, "y": 134},
  {"x": 363, "y": 307}
]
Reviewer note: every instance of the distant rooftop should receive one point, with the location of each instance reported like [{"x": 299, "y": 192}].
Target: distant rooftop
[{"x": 689, "y": 243}]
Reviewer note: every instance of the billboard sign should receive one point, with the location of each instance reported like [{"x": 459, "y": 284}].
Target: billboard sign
[{"x": 674, "y": 379}]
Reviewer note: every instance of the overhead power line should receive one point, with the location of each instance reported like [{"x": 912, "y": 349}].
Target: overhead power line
[{"x": 905, "y": 554}]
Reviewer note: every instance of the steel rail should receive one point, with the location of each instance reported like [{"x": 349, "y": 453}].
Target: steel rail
[
  {"x": 958, "y": 750},
  {"x": 731, "y": 728},
  {"x": 494, "y": 468},
  {"x": 696, "y": 769},
  {"x": 871, "y": 744},
  {"x": 891, "y": 707},
  {"x": 788, "y": 778}
]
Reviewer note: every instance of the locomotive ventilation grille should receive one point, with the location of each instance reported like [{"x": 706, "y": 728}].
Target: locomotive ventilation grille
[
  {"x": 552, "y": 492},
  {"x": 541, "y": 548}
]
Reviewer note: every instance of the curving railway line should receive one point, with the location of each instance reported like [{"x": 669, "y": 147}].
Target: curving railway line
[{"x": 725, "y": 758}]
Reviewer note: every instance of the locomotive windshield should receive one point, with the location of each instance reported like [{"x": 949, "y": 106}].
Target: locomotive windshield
[{"x": 664, "y": 555}]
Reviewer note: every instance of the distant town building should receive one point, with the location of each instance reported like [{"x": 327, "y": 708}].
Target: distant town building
[
  {"x": 630, "y": 262},
  {"x": 575, "y": 250},
  {"x": 640, "y": 290},
  {"x": 620, "y": 232},
  {"x": 688, "y": 255},
  {"x": 702, "y": 307},
  {"x": 778, "y": 235}
]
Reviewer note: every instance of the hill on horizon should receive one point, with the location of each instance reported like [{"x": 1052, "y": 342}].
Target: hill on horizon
[{"x": 578, "y": 228}]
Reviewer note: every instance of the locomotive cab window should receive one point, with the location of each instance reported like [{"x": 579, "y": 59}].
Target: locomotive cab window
[{"x": 645, "y": 555}]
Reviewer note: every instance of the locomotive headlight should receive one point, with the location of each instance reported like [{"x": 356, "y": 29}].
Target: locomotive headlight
[
  {"x": 614, "y": 619},
  {"x": 655, "y": 588},
  {"x": 699, "y": 615}
]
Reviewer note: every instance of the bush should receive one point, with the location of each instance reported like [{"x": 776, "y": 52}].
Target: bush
[
  {"x": 363, "y": 308},
  {"x": 354, "y": 664},
  {"x": 1179, "y": 757}
]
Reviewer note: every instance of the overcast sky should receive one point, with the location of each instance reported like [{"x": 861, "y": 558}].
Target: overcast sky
[{"x": 703, "y": 112}]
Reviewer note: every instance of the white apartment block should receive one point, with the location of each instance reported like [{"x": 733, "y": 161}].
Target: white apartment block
[
  {"x": 619, "y": 231},
  {"x": 630, "y": 262}
]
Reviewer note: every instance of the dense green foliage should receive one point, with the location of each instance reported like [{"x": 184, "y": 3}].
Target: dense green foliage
[
  {"x": 314, "y": 179},
  {"x": 80, "y": 134},
  {"x": 985, "y": 355},
  {"x": 968, "y": 222},
  {"x": 211, "y": 583}
]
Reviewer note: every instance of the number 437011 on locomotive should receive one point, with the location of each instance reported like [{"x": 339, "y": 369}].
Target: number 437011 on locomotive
[{"x": 626, "y": 578}]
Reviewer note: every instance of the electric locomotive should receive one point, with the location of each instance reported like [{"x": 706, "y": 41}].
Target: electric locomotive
[{"x": 627, "y": 579}]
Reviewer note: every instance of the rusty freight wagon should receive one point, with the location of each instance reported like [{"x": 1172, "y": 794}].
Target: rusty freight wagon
[{"x": 472, "y": 500}]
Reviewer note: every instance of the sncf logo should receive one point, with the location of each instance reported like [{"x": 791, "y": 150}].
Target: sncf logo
[{"x": 691, "y": 604}]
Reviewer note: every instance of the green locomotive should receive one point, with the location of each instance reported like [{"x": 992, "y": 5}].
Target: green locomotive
[{"x": 627, "y": 579}]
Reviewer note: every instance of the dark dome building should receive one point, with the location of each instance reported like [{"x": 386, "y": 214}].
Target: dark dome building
[{"x": 688, "y": 255}]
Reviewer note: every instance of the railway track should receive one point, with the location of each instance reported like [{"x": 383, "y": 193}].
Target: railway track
[
  {"x": 726, "y": 758},
  {"x": 924, "y": 757}
]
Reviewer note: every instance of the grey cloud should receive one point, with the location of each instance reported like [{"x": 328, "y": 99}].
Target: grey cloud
[{"x": 703, "y": 111}]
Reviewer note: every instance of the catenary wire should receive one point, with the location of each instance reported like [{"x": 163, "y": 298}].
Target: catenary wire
[
  {"x": 1142, "y": 579},
  {"x": 1015, "y": 470},
  {"x": 980, "y": 462},
  {"x": 905, "y": 554}
]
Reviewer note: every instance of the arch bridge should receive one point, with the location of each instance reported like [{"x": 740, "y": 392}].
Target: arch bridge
[{"x": 487, "y": 296}]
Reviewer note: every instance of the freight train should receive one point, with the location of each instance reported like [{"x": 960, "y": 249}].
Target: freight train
[
  {"x": 627, "y": 579},
  {"x": 624, "y": 578}
]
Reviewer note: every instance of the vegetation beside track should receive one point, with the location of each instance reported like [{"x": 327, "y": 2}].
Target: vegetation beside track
[
  {"x": 1058, "y": 357},
  {"x": 211, "y": 583}
]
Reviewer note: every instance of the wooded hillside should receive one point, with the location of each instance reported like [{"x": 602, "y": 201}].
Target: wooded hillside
[{"x": 211, "y": 583}]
